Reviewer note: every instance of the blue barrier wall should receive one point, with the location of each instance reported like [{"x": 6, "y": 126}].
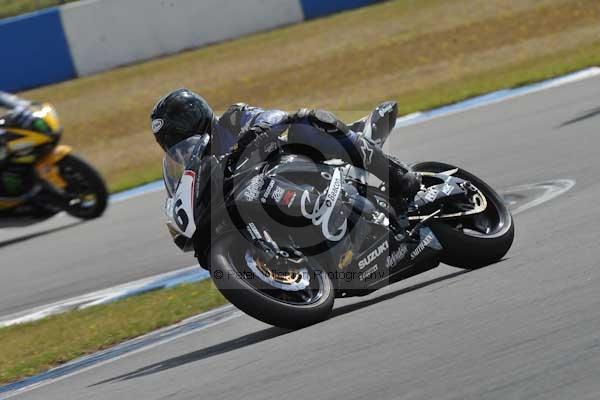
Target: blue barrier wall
[
  {"x": 319, "y": 8},
  {"x": 34, "y": 51}
]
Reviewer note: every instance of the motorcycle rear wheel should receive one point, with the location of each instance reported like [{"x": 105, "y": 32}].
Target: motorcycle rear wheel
[
  {"x": 251, "y": 293},
  {"x": 490, "y": 235}
]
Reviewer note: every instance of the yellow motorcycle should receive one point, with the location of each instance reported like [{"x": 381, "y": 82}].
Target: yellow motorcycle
[{"x": 40, "y": 178}]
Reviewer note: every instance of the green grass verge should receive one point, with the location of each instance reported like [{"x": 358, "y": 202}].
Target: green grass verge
[
  {"x": 135, "y": 177},
  {"x": 517, "y": 75},
  {"x": 423, "y": 53},
  {"x": 439, "y": 95},
  {"x": 10, "y": 8},
  {"x": 34, "y": 347}
]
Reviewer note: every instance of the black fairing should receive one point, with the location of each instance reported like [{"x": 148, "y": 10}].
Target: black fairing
[{"x": 368, "y": 255}]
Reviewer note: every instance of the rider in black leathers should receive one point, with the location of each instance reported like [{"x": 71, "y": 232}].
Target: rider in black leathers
[{"x": 183, "y": 113}]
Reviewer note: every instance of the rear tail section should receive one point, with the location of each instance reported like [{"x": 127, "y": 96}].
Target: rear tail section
[{"x": 379, "y": 124}]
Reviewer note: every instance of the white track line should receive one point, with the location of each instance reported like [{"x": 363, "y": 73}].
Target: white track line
[
  {"x": 166, "y": 338},
  {"x": 189, "y": 274},
  {"x": 550, "y": 190}
]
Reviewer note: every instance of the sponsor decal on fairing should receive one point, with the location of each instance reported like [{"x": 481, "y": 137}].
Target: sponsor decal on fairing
[
  {"x": 253, "y": 189},
  {"x": 253, "y": 231},
  {"x": 268, "y": 191},
  {"x": 345, "y": 259},
  {"x": 322, "y": 210},
  {"x": 372, "y": 256},
  {"x": 368, "y": 273},
  {"x": 447, "y": 189},
  {"x": 278, "y": 194},
  {"x": 424, "y": 243},
  {"x": 396, "y": 256},
  {"x": 288, "y": 198},
  {"x": 431, "y": 195}
]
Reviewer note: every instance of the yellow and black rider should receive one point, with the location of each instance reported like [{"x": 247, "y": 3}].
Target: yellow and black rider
[
  {"x": 28, "y": 131},
  {"x": 15, "y": 180}
]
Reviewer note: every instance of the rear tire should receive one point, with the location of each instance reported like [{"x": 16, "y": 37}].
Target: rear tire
[
  {"x": 470, "y": 250},
  {"x": 256, "y": 303},
  {"x": 85, "y": 183}
]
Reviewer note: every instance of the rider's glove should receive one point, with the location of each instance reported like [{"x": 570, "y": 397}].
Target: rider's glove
[
  {"x": 322, "y": 120},
  {"x": 258, "y": 137}
]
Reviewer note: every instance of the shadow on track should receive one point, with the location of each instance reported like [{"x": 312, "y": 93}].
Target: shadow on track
[
  {"x": 260, "y": 336},
  {"x": 199, "y": 355},
  {"x": 38, "y": 234},
  {"x": 585, "y": 115},
  {"x": 366, "y": 303}
]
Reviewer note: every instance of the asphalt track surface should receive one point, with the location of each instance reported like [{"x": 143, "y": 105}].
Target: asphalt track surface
[
  {"x": 63, "y": 258},
  {"x": 525, "y": 328}
]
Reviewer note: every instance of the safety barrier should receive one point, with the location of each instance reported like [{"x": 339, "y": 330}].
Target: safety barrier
[
  {"x": 90, "y": 36},
  {"x": 34, "y": 51}
]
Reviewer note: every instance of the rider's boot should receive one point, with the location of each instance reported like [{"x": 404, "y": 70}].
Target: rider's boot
[
  {"x": 378, "y": 125},
  {"x": 402, "y": 183}
]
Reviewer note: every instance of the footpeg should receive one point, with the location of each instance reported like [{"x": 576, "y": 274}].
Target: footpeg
[{"x": 422, "y": 222}]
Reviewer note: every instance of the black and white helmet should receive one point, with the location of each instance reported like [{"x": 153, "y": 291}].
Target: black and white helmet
[{"x": 180, "y": 115}]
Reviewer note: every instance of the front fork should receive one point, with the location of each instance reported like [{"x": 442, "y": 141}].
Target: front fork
[
  {"x": 53, "y": 184},
  {"x": 47, "y": 167}
]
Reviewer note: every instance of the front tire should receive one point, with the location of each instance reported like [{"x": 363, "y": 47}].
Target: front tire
[
  {"x": 255, "y": 298},
  {"x": 84, "y": 184},
  {"x": 468, "y": 248}
]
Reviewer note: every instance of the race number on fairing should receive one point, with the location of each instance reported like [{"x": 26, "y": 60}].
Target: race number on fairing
[{"x": 182, "y": 205}]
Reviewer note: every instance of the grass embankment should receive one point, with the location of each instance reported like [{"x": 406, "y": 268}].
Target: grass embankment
[
  {"x": 423, "y": 53},
  {"x": 34, "y": 347},
  {"x": 10, "y": 8}
]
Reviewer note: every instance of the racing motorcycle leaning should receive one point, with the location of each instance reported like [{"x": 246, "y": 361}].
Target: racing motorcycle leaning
[
  {"x": 285, "y": 236},
  {"x": 41, "y": 178}
]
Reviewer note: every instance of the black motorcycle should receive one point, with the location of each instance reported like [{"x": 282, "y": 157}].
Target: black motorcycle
[{"x": 286, "y": 236}]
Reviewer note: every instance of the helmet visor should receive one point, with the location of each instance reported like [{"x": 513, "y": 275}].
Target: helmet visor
[{"x": 180, "y": 157}]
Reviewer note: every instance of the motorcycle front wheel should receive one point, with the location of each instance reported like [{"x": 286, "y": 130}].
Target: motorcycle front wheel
[
  {"x": 85, "y": 185},
  {"x": 291, "y": 298}
]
